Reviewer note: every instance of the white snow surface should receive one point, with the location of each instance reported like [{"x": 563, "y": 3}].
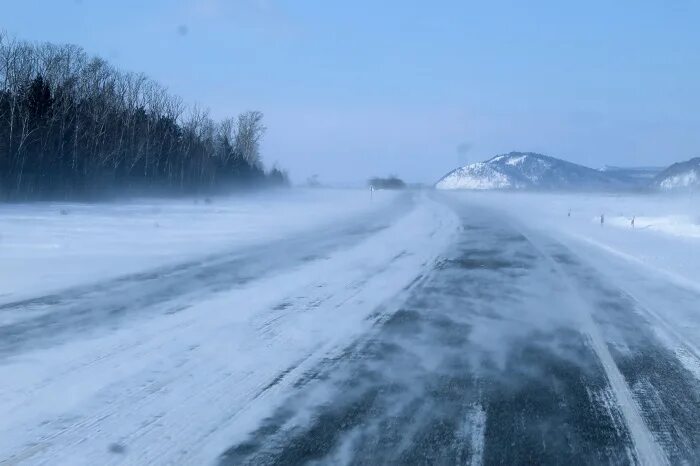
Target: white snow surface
[
  {"x": 513, "y": 161},
  {"x": 478, "y": 176},
  {"x": 681, "y": 225},
  {"x": 684, "y": 180},
  {"x": 42, "y": 250},
  {"x": 180, "y": 388},
  {"x": 666, "y": 237}
]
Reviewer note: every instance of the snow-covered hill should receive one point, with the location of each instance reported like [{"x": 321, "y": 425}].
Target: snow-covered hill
[
  {"x": 680, "y": 176},
  {"x": 480, "y": 175},
  {"x": 527, "y": 170}
]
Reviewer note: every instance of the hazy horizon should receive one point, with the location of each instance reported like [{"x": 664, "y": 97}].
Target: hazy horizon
[{"x": 357, "y": 90}]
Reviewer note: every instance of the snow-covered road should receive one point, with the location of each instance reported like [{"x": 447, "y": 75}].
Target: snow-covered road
[{"x": 430, "y": 329}]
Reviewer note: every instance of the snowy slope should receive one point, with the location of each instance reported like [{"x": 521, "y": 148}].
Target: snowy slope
[
  {"x": 680, "y": 176},
  {"x": 527, "y": 170},
  {"x": 481, "y": 175}
]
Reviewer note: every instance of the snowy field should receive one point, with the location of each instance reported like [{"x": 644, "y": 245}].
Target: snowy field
[
  {"x": 133, "y": 361},
  {"x": 45, "y": 247},
  {"x": 319, "y": 326}
]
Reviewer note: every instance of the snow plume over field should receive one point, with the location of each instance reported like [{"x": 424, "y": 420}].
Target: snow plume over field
[{"x": 48, "y": 246}]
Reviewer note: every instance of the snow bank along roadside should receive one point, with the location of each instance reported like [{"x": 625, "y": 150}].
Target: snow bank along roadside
[
  {"x": 48, "y": 246},
  {"x": 677, "y": 225}
]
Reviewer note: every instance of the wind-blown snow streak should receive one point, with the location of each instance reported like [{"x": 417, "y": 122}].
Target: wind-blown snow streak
[
  {"x": 42, "y": 250},
  {"x": 477, "y": 423},
  {"x": 174, "y": 389},
  {"x": 647, "y": 449}
]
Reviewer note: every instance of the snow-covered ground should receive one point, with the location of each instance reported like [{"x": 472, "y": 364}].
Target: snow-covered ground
[
  {"x": 176, "y": 383},
  {"x": 247, "y": 329},
  {"x": 49, "y": 246},
  {"x": 665, "y": 238},
  {"x": 681, "y": 225}
]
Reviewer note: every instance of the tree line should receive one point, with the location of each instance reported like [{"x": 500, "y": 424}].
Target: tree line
[{"x": 73, "y": 126}]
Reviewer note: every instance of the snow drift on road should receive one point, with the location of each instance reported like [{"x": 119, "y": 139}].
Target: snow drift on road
[{"x": 178, "y": 387}]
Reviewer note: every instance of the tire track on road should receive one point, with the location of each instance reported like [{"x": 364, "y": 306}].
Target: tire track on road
[
  {"x": 660, "y": 393},
  {"x": 459, "y": 373},
  {"x": 646, "y": 446}
]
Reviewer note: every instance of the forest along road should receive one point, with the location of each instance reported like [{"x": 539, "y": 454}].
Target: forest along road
[{"x": 431, "y": 332}]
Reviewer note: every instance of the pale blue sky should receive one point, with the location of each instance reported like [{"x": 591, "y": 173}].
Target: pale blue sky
[{"x": 359, "y": 88}]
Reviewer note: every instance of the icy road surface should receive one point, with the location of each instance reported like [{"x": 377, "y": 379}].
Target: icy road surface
[{"x": 431, "y": 329}]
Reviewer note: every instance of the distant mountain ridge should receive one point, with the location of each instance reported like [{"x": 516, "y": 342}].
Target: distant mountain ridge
[
  {"x": 529, "y": 170},
  {"x": 680, "y": 176}
]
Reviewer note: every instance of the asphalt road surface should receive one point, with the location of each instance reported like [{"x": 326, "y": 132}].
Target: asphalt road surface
[{"x": 512, "y": 350}]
